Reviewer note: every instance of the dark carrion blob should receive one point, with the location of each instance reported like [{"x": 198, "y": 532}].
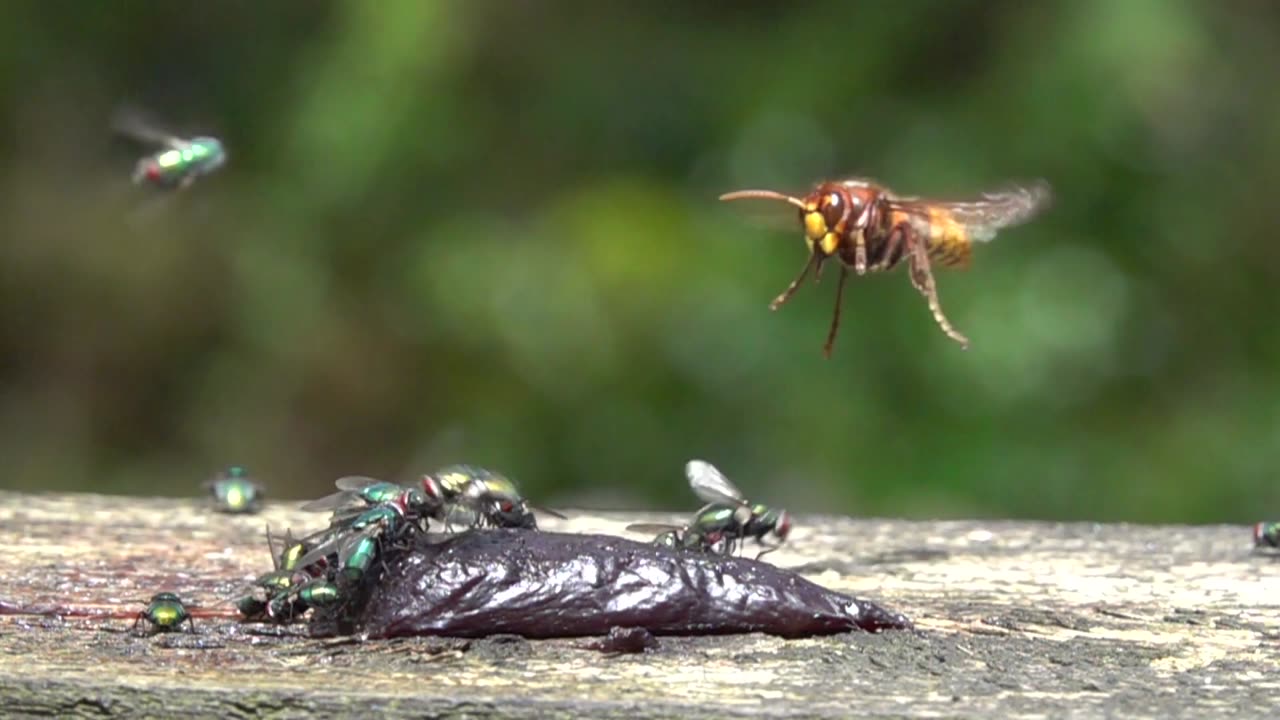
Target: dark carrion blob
[{"x": 544, "y": 585}]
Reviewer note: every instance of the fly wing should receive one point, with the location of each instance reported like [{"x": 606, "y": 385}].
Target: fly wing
[
  {"x": 549, "y": 511},
  {"x": 355, "y": 483},
  {"x": 348, "y": 486},
  {"x": 344, "y": 515},
  {"x": 710, "y": 485},
  {"x": 329, "y": 502},
  {"x": 651, "y": 528},
  {"x": 986, "y": 214},
  {"x": 320, "y": 538},
  {"x": 275, "y": 547},
  {"x": 320, "y": 552},
  {"x": 336, "y": 543},
  {"x": 131, "y": 123}
]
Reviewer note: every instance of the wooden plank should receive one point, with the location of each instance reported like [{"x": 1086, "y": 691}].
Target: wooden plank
[{"x": 1015, "y": 619}]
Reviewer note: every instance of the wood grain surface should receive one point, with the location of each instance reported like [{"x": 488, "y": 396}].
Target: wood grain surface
[{"x": 1014, "y": 619}]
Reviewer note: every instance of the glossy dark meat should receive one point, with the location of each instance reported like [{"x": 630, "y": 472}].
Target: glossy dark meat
[{"x": 542, "y": 585}]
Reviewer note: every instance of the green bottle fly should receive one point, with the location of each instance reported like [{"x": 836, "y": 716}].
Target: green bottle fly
[
  {"x": 724, "y": 521},
  {"x": 179, "y": 165},
  {"x": 180, "y": 161},
  {"x": 355, "y": 489},
  {"x": 461, "y": 494},
  {"x": 165, "y": 612},
  {"x": 318, "y": 593},
  {"x": 1266, "y": 534},
  {"x": 234, "y": 491}
]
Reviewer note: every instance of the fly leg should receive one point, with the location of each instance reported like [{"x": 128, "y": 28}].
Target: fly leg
[
  {"x": 459, "y": 516},
  {"x": 398, "y": 540},
  {"x": 795, "y": 284},
  {"x": 451, "y": 517},
  {"x": 767, "y": 549},
  {"x": 835, "y": 318},
  {"x": 405, "y": 538},
  {"x": 727, "y": 546},
  {"x": 731, "y": 544},
  {"x": 922, "y": 278}
]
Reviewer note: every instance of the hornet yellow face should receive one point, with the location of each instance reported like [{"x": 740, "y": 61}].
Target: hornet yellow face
[
  {"x": 828, "y": 214},
  {"x": 827, "y": 217}
]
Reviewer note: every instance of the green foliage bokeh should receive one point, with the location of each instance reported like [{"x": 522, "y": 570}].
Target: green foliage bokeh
[{"x": 488, "y": 232}]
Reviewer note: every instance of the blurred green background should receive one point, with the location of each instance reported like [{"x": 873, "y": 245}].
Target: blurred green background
[{"x": 487, "y": 231}]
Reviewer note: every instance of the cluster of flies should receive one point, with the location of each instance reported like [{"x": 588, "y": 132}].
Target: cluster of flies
[
  {"x": 370, "y": 516},
  {"x": 327, "y": 568}
]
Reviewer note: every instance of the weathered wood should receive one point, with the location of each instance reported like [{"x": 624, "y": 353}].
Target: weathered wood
[{"x": 1014, "y": 620}]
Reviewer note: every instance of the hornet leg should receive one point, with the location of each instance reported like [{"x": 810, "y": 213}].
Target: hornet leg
[
  {"x": 795, "y": 284},
  {"x": 922, "y": 278},
  {"x": 835, "y": 318}
]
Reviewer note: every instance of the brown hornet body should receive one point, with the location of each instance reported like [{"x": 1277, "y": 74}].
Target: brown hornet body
[{"x": 870, "y": 229}]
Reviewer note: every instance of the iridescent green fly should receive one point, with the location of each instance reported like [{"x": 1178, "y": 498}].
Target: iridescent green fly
[
  {"x": 288, "y": 594},
  {"x": 354, "y": 490},
  {"x": 234, "y": 491},
  {"x": 683, "y": 538},
  {"x": 302, "y": 597},
  {"x": 356, "y": 535},
  {"x": 288, "y": 573},
  {"x": 1266, "y": 534},
  {"x": 166, "y": 613},
  {"x": 291, "y": 551},
  {"x": 470, "y": 496},
  {"x": 265, "y": 588},
  {"x": 180, "y": 161},
  {"x": 725, "y": 520}
]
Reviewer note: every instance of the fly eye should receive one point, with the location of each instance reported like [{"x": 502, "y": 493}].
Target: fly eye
[
  {"x": 430, "y": 487},
  {"x": 506, "y": 506}
]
